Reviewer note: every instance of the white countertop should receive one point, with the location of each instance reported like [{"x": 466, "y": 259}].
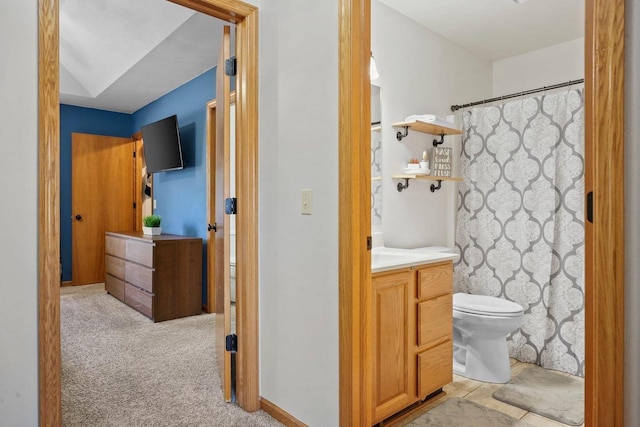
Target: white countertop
[{"x": 384, "y": 259}]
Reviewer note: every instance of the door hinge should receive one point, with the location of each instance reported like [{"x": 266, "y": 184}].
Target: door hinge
[
  {"x": 213, "y": 227},
  {"x": 134, "y": 154},
  {"x": 230, "y": 206},
  {"x": 590, "y": 207},
  {"x": 134, "y": 205},
  {"x": 230, "y": 66},
  {"x": 369, "y": 243},
  {"x": 231, "y": 343}
]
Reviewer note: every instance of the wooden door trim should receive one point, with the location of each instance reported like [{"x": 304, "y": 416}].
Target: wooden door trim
[
  {"x": 354, "y": 269},
  {"x": 604, "y": 278},
  {"x": 49, "y": 382},
  {"x": 604, "y": 259}
]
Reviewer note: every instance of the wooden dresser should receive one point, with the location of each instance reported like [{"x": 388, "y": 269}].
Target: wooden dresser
[{"x": 159, "y": 276}]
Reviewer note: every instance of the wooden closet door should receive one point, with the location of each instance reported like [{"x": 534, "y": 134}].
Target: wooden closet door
[{"x": 102, "y": 199}]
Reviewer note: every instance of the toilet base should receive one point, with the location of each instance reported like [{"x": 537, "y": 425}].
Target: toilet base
[{"x": 485, "y": 359}]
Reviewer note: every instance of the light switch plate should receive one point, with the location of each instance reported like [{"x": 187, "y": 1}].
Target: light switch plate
[{"x": 306, "y": 207}]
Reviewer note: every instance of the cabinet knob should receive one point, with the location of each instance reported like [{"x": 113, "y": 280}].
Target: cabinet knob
[{"x": 78, "y": 217}]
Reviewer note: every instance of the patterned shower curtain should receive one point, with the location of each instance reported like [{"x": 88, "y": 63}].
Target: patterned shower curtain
[{"x": 520, "y": 229}]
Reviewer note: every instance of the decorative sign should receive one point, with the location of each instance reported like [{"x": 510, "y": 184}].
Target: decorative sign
[{"x": 441, "y": 162}]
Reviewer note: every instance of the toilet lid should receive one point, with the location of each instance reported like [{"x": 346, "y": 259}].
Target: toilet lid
[{"x": 486, "y": 305}]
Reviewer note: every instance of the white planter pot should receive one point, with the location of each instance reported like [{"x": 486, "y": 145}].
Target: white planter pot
[{"x": 151, "y": 231}]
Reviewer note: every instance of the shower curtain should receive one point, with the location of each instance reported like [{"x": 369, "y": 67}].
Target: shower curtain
[{"x": 520, "y": 228}]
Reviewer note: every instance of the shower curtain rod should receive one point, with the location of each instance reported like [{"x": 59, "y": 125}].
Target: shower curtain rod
[{"x": 515, "y": 95}]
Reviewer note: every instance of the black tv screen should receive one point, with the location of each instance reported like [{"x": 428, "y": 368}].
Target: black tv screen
[{"x": 162, "y": 149}]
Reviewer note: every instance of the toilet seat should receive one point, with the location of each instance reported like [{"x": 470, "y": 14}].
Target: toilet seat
[{"x": 486, "y": 306}]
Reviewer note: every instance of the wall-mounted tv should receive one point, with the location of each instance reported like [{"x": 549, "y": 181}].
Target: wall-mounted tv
[{"x": 162, "y": 149}]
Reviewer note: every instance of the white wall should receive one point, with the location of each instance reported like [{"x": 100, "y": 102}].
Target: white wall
[
  {"x": 632, "y": 214},
  {"x": 420, "y": 72},
  {"x": 299, "y": 253},
  {"x": 18, "y": 214},
  {"x": 555, "y": 64}
]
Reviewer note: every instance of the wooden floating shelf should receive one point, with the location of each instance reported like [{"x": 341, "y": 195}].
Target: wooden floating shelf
[
  {"x": 426, "y": 127},
  {"x": 427, "y": 177},
  {"x": 433, "y": 187}
]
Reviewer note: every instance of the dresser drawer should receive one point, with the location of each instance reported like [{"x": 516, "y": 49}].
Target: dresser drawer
[
  {"x": 435, "y": 368},
  {"x": 140, "y": 252},
  {"x": 114, "y": 266},
  {"x": 114, "y": 286},
  {"x": 435, "y": 319},
  {"x": 138, "y": 299},
  {"x": 139, "y": 276},
  {"x": 434, "y": 281},
  {"x": 115, "y": 246}
]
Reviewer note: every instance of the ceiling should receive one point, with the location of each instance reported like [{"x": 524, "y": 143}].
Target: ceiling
[
  {"x": 497, "y": 29},
  {"x": 120, "y": 55}
]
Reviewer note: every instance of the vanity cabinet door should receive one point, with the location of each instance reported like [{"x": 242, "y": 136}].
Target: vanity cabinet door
[{"x": 394, "y": 365}]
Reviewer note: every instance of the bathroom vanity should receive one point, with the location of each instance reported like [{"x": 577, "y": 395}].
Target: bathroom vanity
[{"x": 413, "y": 324}]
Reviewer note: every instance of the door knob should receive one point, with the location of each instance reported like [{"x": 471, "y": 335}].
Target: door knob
[{"x": 79, "y": 217}]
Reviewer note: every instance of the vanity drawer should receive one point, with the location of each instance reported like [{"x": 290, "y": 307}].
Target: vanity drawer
[
  {"x": 114, "y": 266},
  {"x": 138, "y": 299},
  {"x": 114, "y": 286},
  {"x": 114, "y": 246},
  {"x": 140, "y": 252},
  {"x": 434, "y": 281},
  {"x": 435, "y": 319},
  {"x": 139, "y": 276},
  {"x": 435, "y": 368}
]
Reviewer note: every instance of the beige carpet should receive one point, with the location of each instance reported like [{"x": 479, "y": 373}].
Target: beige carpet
[
  {"x": 547, "y": 393},
  {"x": 121, "y": 369},
  {"x": 457, "y": 412}
]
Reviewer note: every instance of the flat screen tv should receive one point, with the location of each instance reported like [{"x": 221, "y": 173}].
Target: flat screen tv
[{"x": 162, "y": 149}]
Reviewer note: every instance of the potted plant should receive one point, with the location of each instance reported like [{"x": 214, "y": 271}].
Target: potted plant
[{"x": 151, "y": 225}]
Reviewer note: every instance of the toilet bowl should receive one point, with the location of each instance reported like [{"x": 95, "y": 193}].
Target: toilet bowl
[{"x": 480, "y": 328}]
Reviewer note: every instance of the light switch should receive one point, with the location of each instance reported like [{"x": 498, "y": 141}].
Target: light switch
[
  {"x": 306, "y": 202},
  {"x": 155, "y": 205}
]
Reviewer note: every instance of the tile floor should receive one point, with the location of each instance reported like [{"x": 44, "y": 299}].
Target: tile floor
[{"x": 480, "y": 392}]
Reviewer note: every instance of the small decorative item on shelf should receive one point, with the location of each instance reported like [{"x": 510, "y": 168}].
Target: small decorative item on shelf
[
  {"x": 441, "y": 161},
  {"x": 416, "y": 167},
  {"x": 424, "y": 164},
  {"x": 413, "y": 164},
  {"x": 151, "y": 225}
]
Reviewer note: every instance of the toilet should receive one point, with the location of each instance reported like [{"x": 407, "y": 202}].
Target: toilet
[{"x": 480, "y": 328}]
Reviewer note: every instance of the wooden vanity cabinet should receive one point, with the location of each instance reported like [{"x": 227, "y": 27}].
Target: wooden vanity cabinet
[
  {"x": 412, "y": 337},
  {"x": 159, "y": 276}
]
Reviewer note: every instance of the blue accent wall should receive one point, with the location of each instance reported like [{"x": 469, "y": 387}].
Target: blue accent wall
[
  {"x": 180, "y": 194},
  {"x": 81, "y": 120}
]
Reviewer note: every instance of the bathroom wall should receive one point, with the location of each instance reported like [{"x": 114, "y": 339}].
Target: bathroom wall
[
  {"x": 420, "y": 72},
  {"x": 19, "y": 213},
  {"x": 299, "y": 253},
  {"x": 632, "y": 214},
  {"x": 555, "y": 64}
]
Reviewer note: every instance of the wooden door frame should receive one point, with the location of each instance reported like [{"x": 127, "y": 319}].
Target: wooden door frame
[
  {"x": 604, "y": 259},
  {"x": 245, "y": 17}
]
